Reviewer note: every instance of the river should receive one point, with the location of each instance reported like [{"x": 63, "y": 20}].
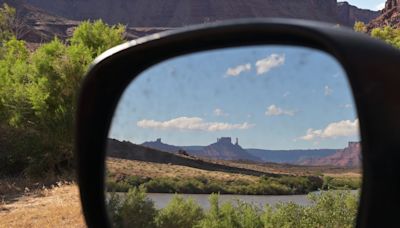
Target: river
[{"x": 162, "y": 199}]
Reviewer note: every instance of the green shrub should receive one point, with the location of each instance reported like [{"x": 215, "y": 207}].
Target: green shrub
[
  {"x": 283, "y": 215},
  {"x": 328, "y": 209},
  {"x": 284, "y": 185},
  {"x": 179, "y": 213},
  {"x": 135, "y": 210},
  {"x": 388, "y": 34},
  {"x": 341, "y": 183},
  {"x": 231, "y": 214}
]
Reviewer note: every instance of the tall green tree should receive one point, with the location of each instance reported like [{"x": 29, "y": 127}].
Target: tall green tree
[
  {"x": 7, "y": 19},
  {"x": 98, "y": 36},
  {"x": 38, "y": 90}
]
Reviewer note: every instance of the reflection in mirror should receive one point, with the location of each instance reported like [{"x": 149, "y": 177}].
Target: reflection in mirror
[{"x": 237, "y": 133}]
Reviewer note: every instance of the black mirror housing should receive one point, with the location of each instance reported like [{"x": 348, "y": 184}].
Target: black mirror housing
[{"x": 371, "y": 66}]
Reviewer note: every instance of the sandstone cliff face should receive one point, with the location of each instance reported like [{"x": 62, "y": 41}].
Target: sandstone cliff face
[
  {"x": 348, "y": 14},
  {"x": 176, "y": 13},
  {"x": 348, "y": 157},
  {"x": 43, "y": 26},
  {"x": 49, "y": 18},
  {"x": 390, "y": 16}
]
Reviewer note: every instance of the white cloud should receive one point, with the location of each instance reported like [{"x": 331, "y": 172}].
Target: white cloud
[
  {"x": 273, "y": 110},
  {"x": 342, "y": 128},
  {"x": 286, "y": 94},
  {"x": 328, "y": 91},
  {"x": 380, "y": 6},
  {"x": 265, "y": 65},
  {"x": 220, "y": 112},
  {"x": 192, "y": 123},
  {"x": 347, "y": 106},
  {"x": 236, "y": 71}
]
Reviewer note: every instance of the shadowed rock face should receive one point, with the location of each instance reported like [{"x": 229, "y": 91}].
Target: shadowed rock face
[
  {"x": 224, "y": 149},
  {"x": 348, "y": 157},
  {"x": 348, "y": 14},
  {"x": 390, "y": 16},
  {"x": 177, "y": 13},
  {"x": 49, "y": 18}
]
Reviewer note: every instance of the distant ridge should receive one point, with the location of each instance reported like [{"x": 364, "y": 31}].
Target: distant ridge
[
  {"x": 130, "y": 151},
  {"x": 224, "y": 149},
  {"x": 290, "y": 156},
  {"x": 158, "y": 145},
  {"x": 348, "y": 157}
]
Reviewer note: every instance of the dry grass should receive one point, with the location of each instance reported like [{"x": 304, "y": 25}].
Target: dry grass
[
  {"x": 56, "y": 207},
  {"x": 296, "y": 169},
  {"x": 150, "y": 169}
]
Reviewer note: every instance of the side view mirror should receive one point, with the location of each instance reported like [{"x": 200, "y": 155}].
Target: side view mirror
[{"x": 199, "y": 58}]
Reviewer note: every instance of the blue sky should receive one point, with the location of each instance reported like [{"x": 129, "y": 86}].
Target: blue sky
[
  {"x": 368, "y": 4},
  {"x": 271, "y": 97}
]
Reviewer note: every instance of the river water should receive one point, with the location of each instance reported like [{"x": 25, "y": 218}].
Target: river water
[{"x": 162, "y": 199}]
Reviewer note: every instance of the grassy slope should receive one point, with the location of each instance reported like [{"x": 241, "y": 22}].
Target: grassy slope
[
  {"x": 123, "y": 174},
  {"x": 152, "y": 169}
]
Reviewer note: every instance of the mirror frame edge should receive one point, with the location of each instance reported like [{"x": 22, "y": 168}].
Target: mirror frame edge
[{"x": 100, "y": 94}]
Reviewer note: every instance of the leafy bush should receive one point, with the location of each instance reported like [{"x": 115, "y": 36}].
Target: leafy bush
[
  {"x": 231, "y": 214},
  {"x": 341, "y": 183},
  {"x": 388, "y": 34},
  {"x": 179, "y": 213},
  {"x": 328, "y": 209},
  {"x": 284, "y": 185},
  {"x": 283, "y": 215},
  {"x": 135, "y": 210}
]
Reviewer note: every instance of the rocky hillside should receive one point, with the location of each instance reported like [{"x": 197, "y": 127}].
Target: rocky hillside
[
  {"x": 348, "y": 157},
  {"x": 390, "y": 15},
  {"x": 130, "y": 151},
  {"x": 58, "y": 17},
  {"x": 176, "y": 13},
  {"x": 41, "y": 25}
]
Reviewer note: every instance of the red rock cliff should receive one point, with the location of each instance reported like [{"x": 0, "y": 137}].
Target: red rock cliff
[
  {"x": 348, "y": 157},
  {"x": 176, "y": 13},
  {"x": 390, "y": 16}
]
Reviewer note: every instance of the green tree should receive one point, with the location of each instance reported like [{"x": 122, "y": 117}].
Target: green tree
[
  {"x": 14, "y": 69},
  {"x": 360, "y": 26},
  {"x": 388, "y": 34},
  {"x": 38, "y": 90},
  {"x": 98, "y": 36},
  {"x": 7, "y": 17}
]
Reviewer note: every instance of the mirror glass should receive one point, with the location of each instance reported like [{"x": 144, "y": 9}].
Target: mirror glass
[{"x": 255, "y": 136}]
